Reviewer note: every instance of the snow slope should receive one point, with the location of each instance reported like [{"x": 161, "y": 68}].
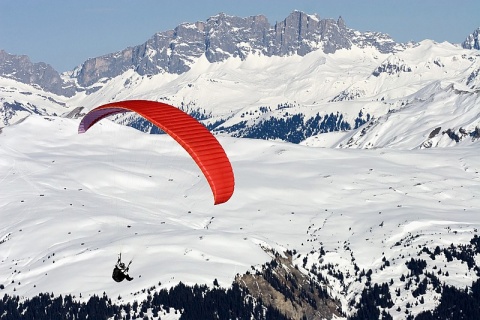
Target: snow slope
[
  {"x": 407, "y": 94},
  {"x": 408, "y": 179},
  {"x": 70, "y": 203}
]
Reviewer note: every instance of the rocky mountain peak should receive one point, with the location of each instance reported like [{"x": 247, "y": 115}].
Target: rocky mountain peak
[
  {"x": 341, "y": 23},
  {"x": 473, "y": 40},
  {"x": 222, "y": 36},
  {"x": 20, "y": 68}
]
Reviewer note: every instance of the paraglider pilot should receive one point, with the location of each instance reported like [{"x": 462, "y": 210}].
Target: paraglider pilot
[{"x": 120, "y": 272}]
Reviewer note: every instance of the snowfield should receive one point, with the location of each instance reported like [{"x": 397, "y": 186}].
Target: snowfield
[
  {"x": 399, "y": 182},
  {"x": 70, "y": 203}
]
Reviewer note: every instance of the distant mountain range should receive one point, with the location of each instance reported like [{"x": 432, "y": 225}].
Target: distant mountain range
[
  {"x": 219, "y": 38},
  {"x": 39, "y": 74},
  {"x": 292, "y": 81},
  {"x": 222, "y": 37},
  {"x": 313, "y": 231}
]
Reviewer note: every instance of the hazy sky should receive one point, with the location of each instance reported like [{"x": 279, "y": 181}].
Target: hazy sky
[{"x": 64, "y": 33}]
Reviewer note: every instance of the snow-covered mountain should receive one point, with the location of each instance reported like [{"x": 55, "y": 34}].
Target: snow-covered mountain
[
  {"x": 351, "y": 219},
  {"x": 299, "y": 98},
  {"x": 223, "y": 37},
  {"x": 39, "y": 75},
  {"x": 318, "y": 226},
  {"x": 246, "y": 78}
]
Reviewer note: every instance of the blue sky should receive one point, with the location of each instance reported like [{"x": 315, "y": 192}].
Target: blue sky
[{"x": 64, "y": 33}]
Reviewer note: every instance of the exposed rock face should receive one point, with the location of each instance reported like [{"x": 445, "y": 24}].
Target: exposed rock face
[
  {"x": 222, "y": 37},
  {"x": 472, "y": 41},
  {"x": 281, "y": 285},
  {"x": 393, "y": 65},
  {"x": 219, "y": 38},
  {"x": 20, "y": 68}
]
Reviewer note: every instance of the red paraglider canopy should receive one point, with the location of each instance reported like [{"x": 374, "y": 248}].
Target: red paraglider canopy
[{"x": 195, "y": 138}]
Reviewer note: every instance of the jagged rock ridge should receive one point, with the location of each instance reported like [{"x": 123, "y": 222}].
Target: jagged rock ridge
[
  {"x": 20, "y": 68},
  {"x": 472, "y": 41},
  {"x": 223, "y": 36}
]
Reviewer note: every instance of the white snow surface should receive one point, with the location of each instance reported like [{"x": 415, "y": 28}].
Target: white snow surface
[
  {"x": 70, "y": 203},
  {"x": 426, "y": 86}
]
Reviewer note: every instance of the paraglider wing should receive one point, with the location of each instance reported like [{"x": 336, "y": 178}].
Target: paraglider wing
[{"x": 195, "y": 138}]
